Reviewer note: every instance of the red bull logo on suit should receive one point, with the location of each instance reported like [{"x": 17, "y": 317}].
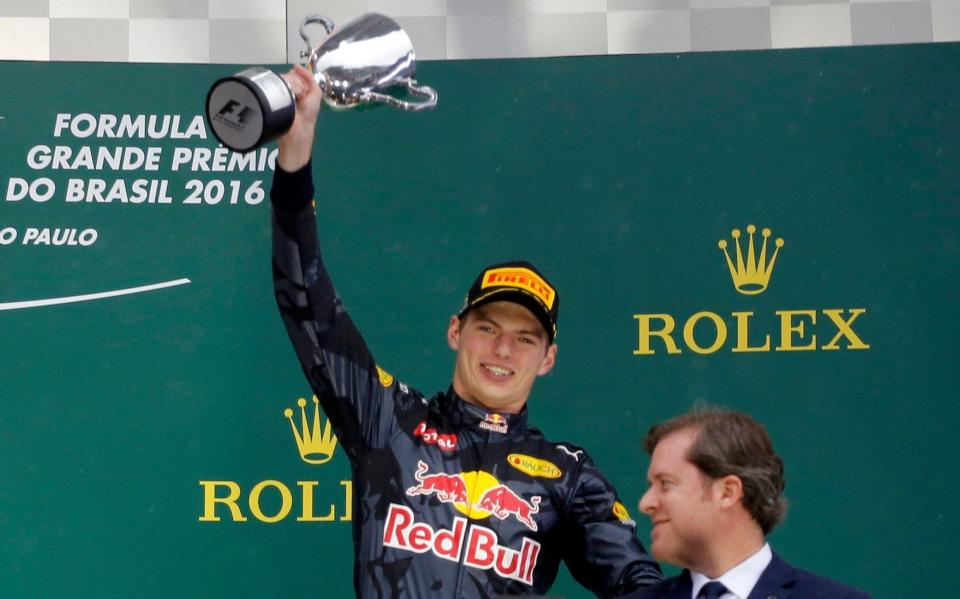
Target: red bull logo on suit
[
  {"x": 449, "y": 488},
  {"x": 501, "y": 502},
  {"x": 478, "y": 495},
  {"x": 480, "y": 549}
]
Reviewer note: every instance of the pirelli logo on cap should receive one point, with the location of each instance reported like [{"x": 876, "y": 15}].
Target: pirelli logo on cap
[{"x": 521, "y": 278}]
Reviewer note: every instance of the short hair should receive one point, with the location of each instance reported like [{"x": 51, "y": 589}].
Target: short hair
[{"x": 730, "y": 442}]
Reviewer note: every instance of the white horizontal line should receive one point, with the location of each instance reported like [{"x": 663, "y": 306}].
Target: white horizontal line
[{"x": 90, "y": 296}]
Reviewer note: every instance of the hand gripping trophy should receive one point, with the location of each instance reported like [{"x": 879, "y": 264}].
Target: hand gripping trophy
[{"x": 356, "y": 65}]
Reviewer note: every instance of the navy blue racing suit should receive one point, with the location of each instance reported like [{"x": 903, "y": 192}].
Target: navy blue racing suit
[{"x": 449, "y": 500}]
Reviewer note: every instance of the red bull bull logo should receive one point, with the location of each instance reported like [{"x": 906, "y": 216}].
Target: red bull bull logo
[
  {"x": 478, "y": 549},
  {"x": 502, "y": 503},
  {"x": 495, "y": 423},
  {"x": 448, "y": 488},
  {"x": 476, "y": 494}
]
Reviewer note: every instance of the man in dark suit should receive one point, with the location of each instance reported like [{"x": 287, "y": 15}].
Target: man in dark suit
[{"x": 715, "y": 492}]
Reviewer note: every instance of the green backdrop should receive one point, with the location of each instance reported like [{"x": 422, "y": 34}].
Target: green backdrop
[{"x": 618, "y": 176}]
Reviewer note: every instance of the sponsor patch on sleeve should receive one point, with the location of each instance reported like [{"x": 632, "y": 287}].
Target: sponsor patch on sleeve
[
  {"x": 386, "y": 379},
  {"x": 620, "y": 511}
]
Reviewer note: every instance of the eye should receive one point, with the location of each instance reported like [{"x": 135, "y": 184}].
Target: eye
[{"x": 526, "y": 340}]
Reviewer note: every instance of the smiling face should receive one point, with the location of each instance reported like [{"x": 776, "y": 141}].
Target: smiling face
[
  {"x": 682, "y": 502},
  {"x": 501, "y": 349}
]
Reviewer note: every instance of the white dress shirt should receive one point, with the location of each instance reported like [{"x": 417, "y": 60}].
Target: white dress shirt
[{"x": 739, "y": 579}]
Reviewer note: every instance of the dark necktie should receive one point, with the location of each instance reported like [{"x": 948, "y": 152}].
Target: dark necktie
[{"x": 712, "y": 590}]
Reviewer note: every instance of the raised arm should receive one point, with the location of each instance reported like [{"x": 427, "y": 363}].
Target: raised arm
[{"x": 357, "y": 398}]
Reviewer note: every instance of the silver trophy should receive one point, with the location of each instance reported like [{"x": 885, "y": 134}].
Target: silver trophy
[{"x": 365, "y": 62}]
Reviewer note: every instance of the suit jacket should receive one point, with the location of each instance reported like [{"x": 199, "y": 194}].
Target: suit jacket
[{"x": 779, "y": 581}]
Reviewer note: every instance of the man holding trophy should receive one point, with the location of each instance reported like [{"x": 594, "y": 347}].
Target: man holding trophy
[{"x": 455, "y": 495}]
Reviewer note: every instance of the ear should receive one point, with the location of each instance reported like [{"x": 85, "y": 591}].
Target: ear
[
  {"x": 731, "y": 490},
  {"x": 453, "y": 333},
  {"x": 548, "y": 360}
]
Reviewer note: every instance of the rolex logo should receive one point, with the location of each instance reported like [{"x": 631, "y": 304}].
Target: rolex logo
[
  {"x": 751, "y": 274},
  {"x": 742, "y": 331},
  {"x": 306, "y": 500},
  {"x": 316, "y": 443}
]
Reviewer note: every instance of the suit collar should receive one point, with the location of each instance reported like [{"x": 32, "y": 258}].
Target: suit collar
[
  {"x": 481, "y": 419},
  {"x": 776, "y": 582},
  {"x": 680, "y": 586},
  {"x": 742, "y": 577}
]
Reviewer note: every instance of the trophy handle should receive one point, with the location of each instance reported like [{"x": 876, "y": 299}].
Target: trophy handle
[
  {"x": 422, "y": 91},
  {"x": 311, "y": 52}
]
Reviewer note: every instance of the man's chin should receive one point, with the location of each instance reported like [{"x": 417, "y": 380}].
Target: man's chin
[{"x": 662, "y": 552}]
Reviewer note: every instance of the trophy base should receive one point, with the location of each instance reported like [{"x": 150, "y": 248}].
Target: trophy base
[{"x": 249, "y": 109}]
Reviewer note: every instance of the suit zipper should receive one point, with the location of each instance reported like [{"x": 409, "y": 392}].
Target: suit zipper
[{"x": 461, "y": 570}]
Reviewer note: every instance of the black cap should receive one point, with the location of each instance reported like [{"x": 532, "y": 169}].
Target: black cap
[{"x": 519, "y": 282}]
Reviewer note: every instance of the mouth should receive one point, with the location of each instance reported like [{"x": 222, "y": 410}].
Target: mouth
[{"x": 497, "y": 372}]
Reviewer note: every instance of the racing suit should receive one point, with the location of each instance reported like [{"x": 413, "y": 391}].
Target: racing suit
[{"x": 449, "y": 499}]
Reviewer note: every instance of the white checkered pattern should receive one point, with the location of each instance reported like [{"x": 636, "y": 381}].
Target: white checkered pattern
[{"x": 265, "y": 31}]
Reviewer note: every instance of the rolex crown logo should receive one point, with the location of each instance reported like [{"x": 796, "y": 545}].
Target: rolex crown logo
[
  {"x": 751, "y": 274},
  {"x": 316, "y": 443}
]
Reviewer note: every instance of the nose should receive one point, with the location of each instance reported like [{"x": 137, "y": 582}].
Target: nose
[
  {"x": 648, "y": 502},
  {"x": 502, "y": 346}
]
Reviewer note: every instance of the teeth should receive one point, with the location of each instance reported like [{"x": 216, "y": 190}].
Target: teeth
[{"x": 497, "y": 370}]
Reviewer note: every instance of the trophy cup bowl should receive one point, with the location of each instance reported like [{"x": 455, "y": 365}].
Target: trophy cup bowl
[{"x": 355, "y": 66}]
